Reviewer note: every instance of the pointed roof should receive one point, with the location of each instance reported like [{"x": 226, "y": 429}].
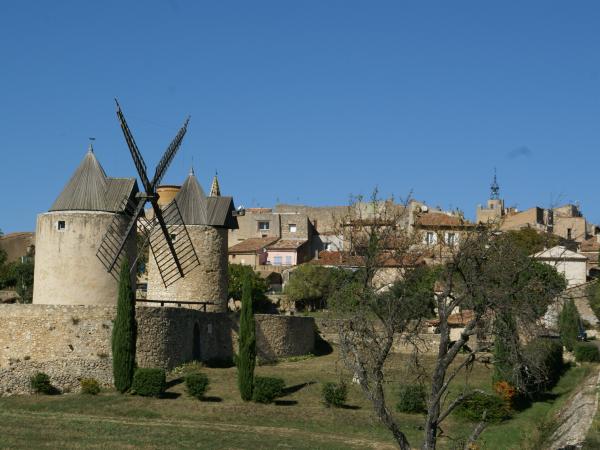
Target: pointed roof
[
  {"x": 215, "y": 190},
  {"x": 191, "y": 201},
  {"x": 89, "y": 189},
  {"x": 198, "y": 209}
]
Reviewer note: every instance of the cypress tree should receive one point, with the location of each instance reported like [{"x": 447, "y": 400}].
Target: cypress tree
[
  {"x": 124, "y": 333},
  {"x": 246, "y": 360},
  {"x": 568, "y": 324},
  {"x": 504, "y": 339}
]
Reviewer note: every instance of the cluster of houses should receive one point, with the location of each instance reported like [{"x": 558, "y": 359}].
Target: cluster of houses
[{"x": 273, "y": 241}]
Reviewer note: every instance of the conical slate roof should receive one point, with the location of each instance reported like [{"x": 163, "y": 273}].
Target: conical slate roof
[
  {"x": 89, "y": 189},
  {"x": 191, "y": 201},
  {"x": 198, "y": 209}
]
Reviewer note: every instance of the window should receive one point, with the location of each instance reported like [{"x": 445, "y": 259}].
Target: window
[
  {"x": 292, "y": 227},
  {"x": 263, "y": 226},
  {"x": 61, "y": 225},
  {"x": 451, "y": 238},
  {"x": 277, "y": 261},
  {"x": 568, "y": 233},
  {"x": 288, "y": 260},
  {"x": 430, "y": 238}
]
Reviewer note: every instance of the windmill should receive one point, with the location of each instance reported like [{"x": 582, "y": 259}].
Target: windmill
[{"x": 165, "y": 233}]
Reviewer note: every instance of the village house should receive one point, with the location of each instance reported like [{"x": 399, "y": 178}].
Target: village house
[
  {"x": 251, "y": 252},
  {"x": 572, "y": 265}
]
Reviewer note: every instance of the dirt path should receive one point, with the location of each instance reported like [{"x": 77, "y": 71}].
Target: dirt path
[
  {"x": 225, "y": 427},
  {"x": 576, "y": 416}
]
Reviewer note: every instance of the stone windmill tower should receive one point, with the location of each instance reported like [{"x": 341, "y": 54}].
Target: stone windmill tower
[
  {"x": 208, "y": 220},
  {"x": 67, "y": 270}
]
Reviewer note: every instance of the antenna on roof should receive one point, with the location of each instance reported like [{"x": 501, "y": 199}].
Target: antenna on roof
[{"x": 495, "y": 188}]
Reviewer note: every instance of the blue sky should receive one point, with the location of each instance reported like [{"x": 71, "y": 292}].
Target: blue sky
[{"x": 307, "y": 101}]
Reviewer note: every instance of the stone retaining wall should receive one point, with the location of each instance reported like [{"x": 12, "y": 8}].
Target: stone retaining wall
[
  {"x": 73, "y": 342},
  {"x": 425, "y": 342},
  {"x": 284, "y": 336}
]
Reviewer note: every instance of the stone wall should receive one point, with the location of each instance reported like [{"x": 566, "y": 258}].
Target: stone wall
[
  {"x": 168, "y": 337},
  {"x": 425, "y": 342},
  {"x": 208, "y": 282},
  {"x": 73, "y": 342},
  {"x": 283, "y": 336}
]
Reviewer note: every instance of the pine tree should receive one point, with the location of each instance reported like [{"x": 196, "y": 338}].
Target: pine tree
[
  {"x": 124, "y": 333},
  {"x": 246, "y": 360},
  {"x": 568, "y": 324}
]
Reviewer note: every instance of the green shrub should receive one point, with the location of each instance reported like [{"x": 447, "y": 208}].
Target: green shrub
[
  {"x": 411, "y": 399},
  {"x": 477, "y": 402},
  {"x": 196, "y": 384},
  {"x": 89, "y": 386},
  {"x": 267, "y": 389},
  {"x": 149, "y": 382},
  {"x": 587, "y": 353},
  {"x": 334, "y": 394},
  {"x": 40, "y": 383}
]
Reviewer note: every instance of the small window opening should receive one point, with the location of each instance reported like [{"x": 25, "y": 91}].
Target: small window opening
[{"x": 61, "y": 225}]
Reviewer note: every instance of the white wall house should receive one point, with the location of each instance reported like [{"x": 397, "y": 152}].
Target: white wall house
[{"x": 572, "y": 265}]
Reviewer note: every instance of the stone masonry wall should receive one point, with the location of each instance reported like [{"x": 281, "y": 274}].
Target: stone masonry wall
[
  {"x": 426, "y": 342},
  {"x": 208, "y": 282},
  {"x": 284, "y": 336},
  {"x": 73, "y": 342}
]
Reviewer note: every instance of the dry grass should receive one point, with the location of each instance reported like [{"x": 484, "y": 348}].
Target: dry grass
[{"x": 297, "y": 420}]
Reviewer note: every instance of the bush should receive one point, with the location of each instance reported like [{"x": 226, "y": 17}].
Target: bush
[
  {"x": 544, "y": 366},
  {"x": 334, "y": 394},
  {"x": 40, "y": 383},
  {"x": 89, "y": 386},
  {"x": 506, "y": 392},
  {"x": 477, "y": 402},
  {"x": 587, "y": 353},
  {"x": 149, "y": 382},
  {"x": 196, "y": 384},
  {"x": 411, "y": 399},
  {"x": 267, "y": 389}
]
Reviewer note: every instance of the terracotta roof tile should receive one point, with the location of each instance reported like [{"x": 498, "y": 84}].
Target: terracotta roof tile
[
  {"x": 252, "y": 245},
  {"x": 590, "y": 245},
  {"x": 433, "y": 219},
  {"x": 287, "y": 244}
]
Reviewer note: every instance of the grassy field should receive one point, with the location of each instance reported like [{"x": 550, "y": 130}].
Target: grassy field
[{"x": 297, "y": 420}]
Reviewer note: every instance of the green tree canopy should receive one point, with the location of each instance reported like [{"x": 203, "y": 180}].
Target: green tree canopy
[
  {"x": 531, "y": 241},
  {"x": 237, "y": 274},
  {"x": 312, "y": 285}
]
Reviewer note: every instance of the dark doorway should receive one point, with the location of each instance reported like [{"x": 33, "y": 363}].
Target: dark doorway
[{"x": 196, "y": 343}]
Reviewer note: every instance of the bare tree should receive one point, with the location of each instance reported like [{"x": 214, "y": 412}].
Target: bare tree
[{"x": 486, "y": 274}]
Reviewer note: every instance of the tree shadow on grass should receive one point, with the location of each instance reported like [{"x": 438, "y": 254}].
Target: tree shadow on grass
[
  {"x": 285, "y": 402},
  {"x": 170, "y": 395},
  {"x": 295, "y": 388},
  {"x": 212, "y": 399},
  {"x": 352, "y": 407},
  {"x": 174, "y": 382}
]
